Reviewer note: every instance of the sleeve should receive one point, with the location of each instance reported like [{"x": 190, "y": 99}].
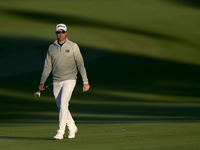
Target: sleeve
[
  {"x": 80, "y": 64},
  {"x": 47, "y": 68}
]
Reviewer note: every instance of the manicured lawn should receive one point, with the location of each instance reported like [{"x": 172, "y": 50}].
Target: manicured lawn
[
  {"x": 142, "y": 60},
  {"x": 126, "y": 136}
]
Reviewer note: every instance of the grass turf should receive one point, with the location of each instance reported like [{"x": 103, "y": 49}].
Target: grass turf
[
  {"x": 142, "y": 59},
  {"x": 103, "y": 136}
]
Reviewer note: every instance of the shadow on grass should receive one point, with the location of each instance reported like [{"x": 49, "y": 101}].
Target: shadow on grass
[
  {"x": 108, "y": 72},
  {"x": 81, "y": 21},
  {"x": 24, "y": 55},
  {"x": 25, "y": 138},
  {"x": 187, "y": 3}
]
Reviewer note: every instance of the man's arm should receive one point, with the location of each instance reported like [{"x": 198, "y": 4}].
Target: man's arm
[
  {"x": 81, "y": 68},
  {"x": 46, "y": 71}
]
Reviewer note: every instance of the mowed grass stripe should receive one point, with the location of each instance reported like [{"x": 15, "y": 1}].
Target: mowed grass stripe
[{"x": 103, "y": 136}]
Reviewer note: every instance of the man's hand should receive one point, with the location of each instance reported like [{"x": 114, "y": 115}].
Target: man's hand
[
  {"x": 41, "y": 87},
  {"x": 86, "y": 87}
]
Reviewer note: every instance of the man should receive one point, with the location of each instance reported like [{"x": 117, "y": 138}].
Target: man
[{"x": 62, "y": 59}]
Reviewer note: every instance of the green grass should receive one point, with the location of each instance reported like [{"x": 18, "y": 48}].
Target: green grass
[
  {"x": 142, "y": 60},
  {"x": 103, "y": 136},
  {"x": 150, "y": 28}
]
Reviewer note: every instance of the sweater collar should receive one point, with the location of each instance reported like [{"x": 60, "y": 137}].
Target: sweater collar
[{"x": 56, "y": 42}]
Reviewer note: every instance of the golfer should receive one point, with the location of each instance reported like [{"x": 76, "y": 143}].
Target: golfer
[{"x": 62, "y": 59}]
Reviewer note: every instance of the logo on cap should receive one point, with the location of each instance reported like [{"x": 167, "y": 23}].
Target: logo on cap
[{"x": 61, "y": 27}]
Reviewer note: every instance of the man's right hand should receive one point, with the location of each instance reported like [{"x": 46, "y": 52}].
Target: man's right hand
[{"x": 41, "y": 87}]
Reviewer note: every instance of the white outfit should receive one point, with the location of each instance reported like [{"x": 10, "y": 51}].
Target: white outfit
[
  {"x": 64, "y": 61},
  {"x": 62, "y": 93}
]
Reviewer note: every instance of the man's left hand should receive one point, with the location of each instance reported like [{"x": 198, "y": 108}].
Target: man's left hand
[{"x": 86, "y": 87}]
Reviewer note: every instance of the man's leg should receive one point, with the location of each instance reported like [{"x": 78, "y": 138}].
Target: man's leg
[
  {"x": 62, "y": 93},
  {"x": 71, "y": 126},
  {"x": 70, "y": 120},
  {"x": 57, "y": 94},
  {"x": 65, "y": 117}
]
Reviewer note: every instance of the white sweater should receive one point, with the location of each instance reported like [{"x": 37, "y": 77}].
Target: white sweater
[{"x": 63, "y": 62}]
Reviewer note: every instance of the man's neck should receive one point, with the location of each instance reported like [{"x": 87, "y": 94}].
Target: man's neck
[{"x": 61, "y": 42}]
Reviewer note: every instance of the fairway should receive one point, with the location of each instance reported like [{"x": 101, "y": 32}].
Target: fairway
[
  {"x": 103, "y": 136},
  {"x": 142, "y": 59}
]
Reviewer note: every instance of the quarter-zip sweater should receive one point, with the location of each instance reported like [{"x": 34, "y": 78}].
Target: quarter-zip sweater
[{"x": 63, "y": 62}]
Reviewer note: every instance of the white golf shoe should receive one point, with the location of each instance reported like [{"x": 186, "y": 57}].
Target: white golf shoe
[
  {"x": 72, "y": 132},
  {"x": 58, "y": 136}
]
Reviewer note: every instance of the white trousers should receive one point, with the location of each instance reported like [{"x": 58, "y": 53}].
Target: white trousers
[{"x": 62, "y": 92}]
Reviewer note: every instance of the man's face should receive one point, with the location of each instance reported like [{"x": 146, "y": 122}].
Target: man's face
[{"x": 61, "y": 35}]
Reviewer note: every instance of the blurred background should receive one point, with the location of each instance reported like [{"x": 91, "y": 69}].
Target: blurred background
[{"x": 141, "y": 56}]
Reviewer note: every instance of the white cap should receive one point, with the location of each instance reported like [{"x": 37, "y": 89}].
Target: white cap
[{"x": 61, "y": 26}]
